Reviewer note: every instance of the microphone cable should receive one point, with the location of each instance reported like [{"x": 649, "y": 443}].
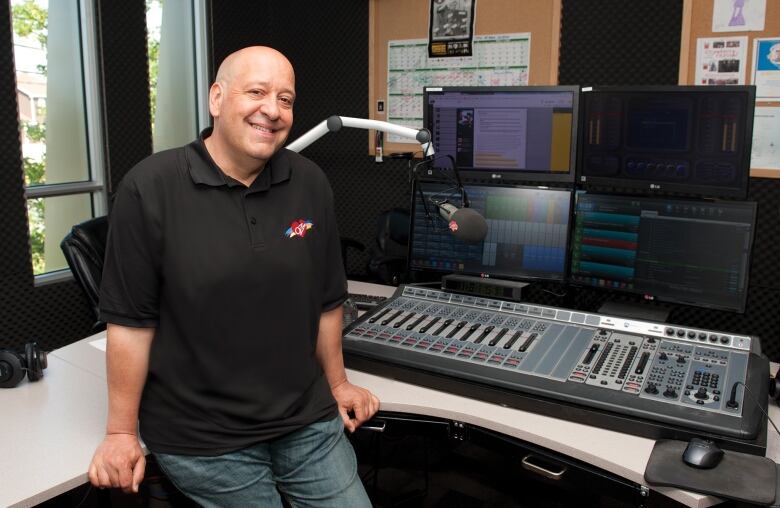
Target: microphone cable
[{"x": 456, "y": 183}]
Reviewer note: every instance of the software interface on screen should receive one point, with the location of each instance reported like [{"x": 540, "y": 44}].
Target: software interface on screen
[
  {"x": 683, "y": 139},
  {"x": 511, "y": 130},
  {"x": 676, "y": 250},
  {"x": 528, "y": 230}
]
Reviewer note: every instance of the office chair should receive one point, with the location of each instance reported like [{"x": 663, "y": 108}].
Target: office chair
[
  {"x": 84, "y": 248},
  {"x": 387, "y": 256},
  {"x": 346, "y": 244}
]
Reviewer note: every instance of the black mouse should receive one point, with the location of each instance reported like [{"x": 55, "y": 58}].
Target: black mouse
[{"x": 702, "y": 453}]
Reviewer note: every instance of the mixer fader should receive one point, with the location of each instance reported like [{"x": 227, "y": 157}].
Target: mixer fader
[{"x": 661, "y": 380}]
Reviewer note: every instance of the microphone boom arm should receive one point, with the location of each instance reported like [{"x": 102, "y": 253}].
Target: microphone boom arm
[{"x": 335, "y": 122}]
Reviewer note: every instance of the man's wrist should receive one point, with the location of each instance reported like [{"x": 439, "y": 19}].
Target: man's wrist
[{"x": 113, "y": 432}]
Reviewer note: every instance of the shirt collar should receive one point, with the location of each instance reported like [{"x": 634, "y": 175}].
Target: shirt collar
[{"x": 204, "y": 170}]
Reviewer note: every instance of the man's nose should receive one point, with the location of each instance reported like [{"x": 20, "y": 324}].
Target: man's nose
[{"x": 270, "y": 108}]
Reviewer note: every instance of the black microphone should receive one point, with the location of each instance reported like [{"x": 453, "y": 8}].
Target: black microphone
[{"x": 465, "y": 223}]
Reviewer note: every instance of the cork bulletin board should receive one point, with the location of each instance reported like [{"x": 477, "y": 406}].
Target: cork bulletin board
[
  {"x": 408, "y": 19},
  {"x": 697, "y": 23}
]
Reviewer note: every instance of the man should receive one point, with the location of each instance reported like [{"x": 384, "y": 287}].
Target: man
[{"x": 222, "y": 291}]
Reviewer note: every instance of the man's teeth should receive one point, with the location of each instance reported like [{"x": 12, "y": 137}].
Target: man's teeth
[{"x": 263, "y": 129}]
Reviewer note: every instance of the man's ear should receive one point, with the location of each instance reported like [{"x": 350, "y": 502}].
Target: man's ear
[{"x": 216, "y": 94}]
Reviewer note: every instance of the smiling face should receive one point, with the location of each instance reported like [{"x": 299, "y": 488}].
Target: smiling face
[{"x": 252, "y": 105}]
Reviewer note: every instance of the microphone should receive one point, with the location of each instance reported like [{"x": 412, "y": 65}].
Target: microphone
[{"x": 465, "y": 223}]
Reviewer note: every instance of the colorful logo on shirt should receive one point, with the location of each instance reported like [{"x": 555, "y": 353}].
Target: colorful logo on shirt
[
  {"x": 299, "y": 227},
  {"x": 453, "y": 226}
]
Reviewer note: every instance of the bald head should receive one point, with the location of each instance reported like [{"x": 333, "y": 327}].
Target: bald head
[
  {"x": 235, "y": 62},
  {"x": 251, "y": 102}
]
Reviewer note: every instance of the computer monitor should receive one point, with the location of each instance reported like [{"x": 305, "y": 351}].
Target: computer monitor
[
  {"x": 692, "y": 140},
  {"x": 527, "y": 238},
  {"x": 526, "y": 133},
  {"x": 681, "y": 251}
]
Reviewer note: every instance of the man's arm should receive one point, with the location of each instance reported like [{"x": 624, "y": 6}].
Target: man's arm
[
  {"x": 119, "y": 460},
  {"x": 348, "y": 397}
]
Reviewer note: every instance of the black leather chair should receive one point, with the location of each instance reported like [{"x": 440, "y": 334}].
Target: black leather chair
[
  {"x": 346, "y": 244},
  {"x": 84, "y": 248},
  {"x": 387, "y": 256}
]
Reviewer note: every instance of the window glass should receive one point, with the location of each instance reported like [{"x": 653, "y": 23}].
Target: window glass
[
  {"x": 50, "y": 220},
  {"x": 50, "y": 91},
  {"x": 172, "y": 72}
]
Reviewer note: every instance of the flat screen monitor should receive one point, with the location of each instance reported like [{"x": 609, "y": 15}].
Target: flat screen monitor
[
  {"x": 526, "y": 133},
  {"x": 682, "y": 251},
  {"x": 692, "y": 140},
  {"x": 527, "y": 238}
]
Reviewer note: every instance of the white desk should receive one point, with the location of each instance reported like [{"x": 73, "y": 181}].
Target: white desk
[
  {"x": 48, "y": 433},
  {"x": 51, "y": 428}
]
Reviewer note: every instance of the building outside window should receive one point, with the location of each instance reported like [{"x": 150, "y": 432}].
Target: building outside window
[{"x": 59, "y": 120}]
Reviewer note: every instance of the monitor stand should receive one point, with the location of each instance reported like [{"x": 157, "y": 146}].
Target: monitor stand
[{"x": 638, "y": 311}]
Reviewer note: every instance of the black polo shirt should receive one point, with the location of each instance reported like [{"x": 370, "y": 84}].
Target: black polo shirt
[{"x": 234, "y": 280}]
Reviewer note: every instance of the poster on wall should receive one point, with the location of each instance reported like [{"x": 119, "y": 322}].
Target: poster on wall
[
  {"x": 721, "y": 60},
  {"x": 766, "y": 146},
  {"x": 766, "y": 69},
  {"x": 738, "y": 15},
  {"x": 451, "y": 28}
]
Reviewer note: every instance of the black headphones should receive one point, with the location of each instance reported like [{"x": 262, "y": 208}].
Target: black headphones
[{"x": 13, "y": 365}]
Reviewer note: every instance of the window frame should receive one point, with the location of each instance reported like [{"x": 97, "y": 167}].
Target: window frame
[{"x": 95, "y": 186}]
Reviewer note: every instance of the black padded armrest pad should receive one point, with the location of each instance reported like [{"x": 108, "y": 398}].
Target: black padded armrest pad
[{"x": 739, "y": 476}]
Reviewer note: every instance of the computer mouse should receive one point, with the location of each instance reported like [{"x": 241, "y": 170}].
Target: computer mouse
[{"x": 702, "y": 453}]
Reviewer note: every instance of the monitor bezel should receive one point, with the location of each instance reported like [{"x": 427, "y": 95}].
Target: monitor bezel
[
  {"x": 740, "y": 309},
  {"x": 651, "y": 187},
  {"x": 516, "y": 175},
  {"x": 506, "y": 185}
]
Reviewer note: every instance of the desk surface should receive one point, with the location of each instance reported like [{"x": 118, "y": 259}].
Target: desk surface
[
  {"x": 57, "y": 423},
  {"x": 50, "y": 430}
]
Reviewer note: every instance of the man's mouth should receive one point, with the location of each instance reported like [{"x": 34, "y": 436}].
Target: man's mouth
[{"x": 262, "y": 128}]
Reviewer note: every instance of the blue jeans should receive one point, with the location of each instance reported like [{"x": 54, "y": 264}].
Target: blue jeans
[{"x": 314, "y": 467}]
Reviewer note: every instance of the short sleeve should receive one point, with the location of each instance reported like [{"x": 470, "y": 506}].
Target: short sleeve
[
  {"x": 334, "y": 279},
  {"x": 129, "y": 290}
]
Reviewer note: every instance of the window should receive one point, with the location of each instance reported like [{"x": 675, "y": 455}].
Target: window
[
  {"x": 59, "y": 119},
  {"x": 178, "y": 73}
]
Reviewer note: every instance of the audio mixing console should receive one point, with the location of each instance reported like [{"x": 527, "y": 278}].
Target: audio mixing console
[{"x": 652, "y": 379}]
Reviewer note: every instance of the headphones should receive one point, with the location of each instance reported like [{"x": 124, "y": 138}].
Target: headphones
[{"x": 13, "y": 365}]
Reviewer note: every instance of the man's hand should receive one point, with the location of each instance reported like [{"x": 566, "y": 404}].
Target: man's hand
[
  {"x": 118, "y": 462},
  {"x": 362, "y": 403}
]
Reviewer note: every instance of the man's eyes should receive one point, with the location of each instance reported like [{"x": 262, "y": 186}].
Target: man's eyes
[{"x": 285, "y": 100}]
